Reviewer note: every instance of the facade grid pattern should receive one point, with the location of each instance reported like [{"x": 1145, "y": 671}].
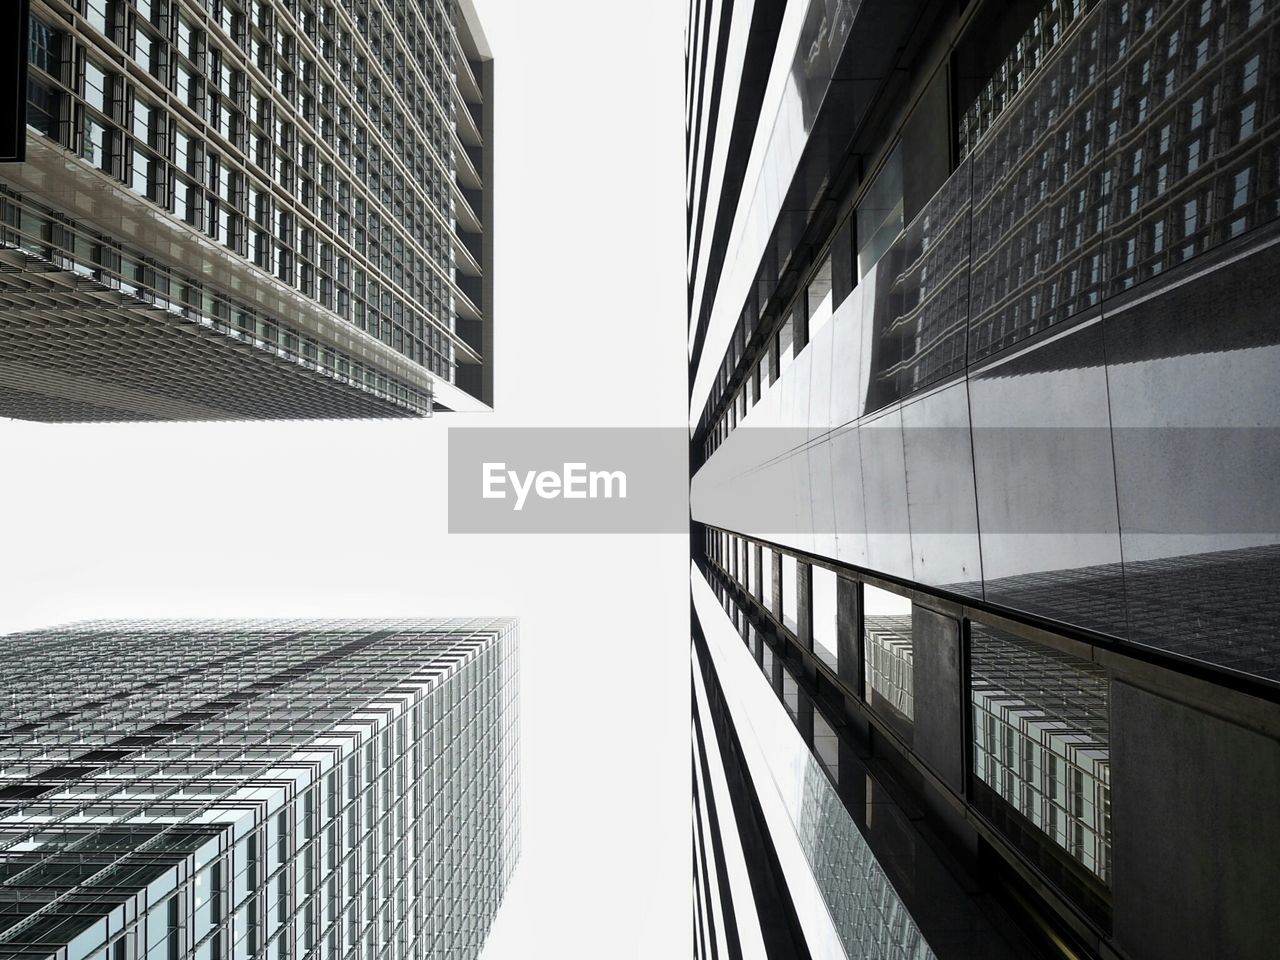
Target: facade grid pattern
[
  {"x": 327, "y": 152},
  {"x": 275, "y": 789}
]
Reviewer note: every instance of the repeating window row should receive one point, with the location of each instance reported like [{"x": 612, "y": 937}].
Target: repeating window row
[{"x": 1040, "y": 718}]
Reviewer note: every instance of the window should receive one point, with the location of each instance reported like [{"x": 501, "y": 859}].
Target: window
[
  {"x": 44, "y": 111},
  {"x": 1041, "y": 738},
  {"x": 184, "y": 154},
  {"x": 825, "y": 616},
  {"x": 887, "y": 655},
  {"x": 95, "y": 143},
  {"x": 826, "y": 746},
  {"x": 791, "y": 695},
  {"x": 96, "y": 87},
  {"x": 879, "y": 214},
  {"x": 188, "y": 38},
  {"x": 185, "y": 85},
  {"x": 143, "y": 50},
  {"x": 146, "y": 123},
  {"x": 186, "y": 196},
  {"x": 140, "y": 173},
  {"x": 786, "y": 344},
  {"x": 95, "y": 12},
  {"x": 1251, "y": 70},
  {"x": 1248, "y": 120},
  {"x": 1190, "y": 218},
  {"x": 45, "y": 49},
  {"x": 1240, "y": 188},
  {"x": 819, "y": 297},
  {"x": 766, "y": 662}
]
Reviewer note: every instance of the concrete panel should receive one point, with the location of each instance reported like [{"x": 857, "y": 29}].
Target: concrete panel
[
  {"x": 939, "y": 714},
  {"x": 1195, "y": 832},
  {"x": 804, "y": 605},
  {"x": 848, "y": 640},
  {"x": 775, "y": 588}
]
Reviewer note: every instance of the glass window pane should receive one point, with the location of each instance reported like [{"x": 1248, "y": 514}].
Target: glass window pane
[
  {"x": 95, "y": 12},
  {"x": 44, "y": 107},
  {"x": 825, "y": 616},
  {"x": 45, "y": 47},
  {"x": 786, "y": 344},
  {"x": 887, "y": 656},
  {"x": 95, "y": 86},
  {"x": 1041, "y": 735},
  {"x": 790, "y": 693},
  {"x": 819, "y": 297},
  {"x": 826, "y": 746},
  {"x": 879, "y": 216}
]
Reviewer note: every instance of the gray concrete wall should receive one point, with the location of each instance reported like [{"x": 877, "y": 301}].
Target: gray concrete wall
[
  {"x": 938, "y": 679},
  {"x": 1195, "y": 809}
]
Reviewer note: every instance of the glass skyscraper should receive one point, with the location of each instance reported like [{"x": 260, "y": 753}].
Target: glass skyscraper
[
  {"x": 243, "y": 209},
  {"x": 983, "y": 365},
  {"x": 257, "y": 789}
]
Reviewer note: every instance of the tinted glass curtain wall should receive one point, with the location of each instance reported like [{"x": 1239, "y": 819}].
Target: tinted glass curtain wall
[{"x": 983, "y": 431}]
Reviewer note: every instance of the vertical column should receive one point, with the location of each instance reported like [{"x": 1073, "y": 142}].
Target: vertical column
[
  {"x": 804, "y": 625},
  {"x": 775, "y": 592},
  {"x": 939, "y": 730},
  {"x": 804, "y": 605},
  {"x": 849, "y": 660},
  {"x": 849, "y": 633}
]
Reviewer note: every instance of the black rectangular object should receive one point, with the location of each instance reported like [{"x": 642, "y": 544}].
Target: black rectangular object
[{"x": 15, "y": 25}]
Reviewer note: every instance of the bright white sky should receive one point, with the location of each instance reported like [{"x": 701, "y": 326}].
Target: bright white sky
[{"x": 349, "y": 518}]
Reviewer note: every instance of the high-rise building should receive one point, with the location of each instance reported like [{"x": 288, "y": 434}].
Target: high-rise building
[
  {"x": 248, "y": 209},
  {"x": 257, "y": 789},
  {"x": 983, "y": 411}
]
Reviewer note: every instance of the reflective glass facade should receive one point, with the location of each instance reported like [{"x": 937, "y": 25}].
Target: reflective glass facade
[
  {"x": 1041, "y": 741},
  {"x": 302, "y": 178},
  {"x": 985, "y": 388},
  {"x": 257, "y": 789}
]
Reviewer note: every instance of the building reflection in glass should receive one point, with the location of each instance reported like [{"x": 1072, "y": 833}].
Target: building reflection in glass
[
  {"x": 886, "y": 650},
  {"x": 1041, "y": 740}
]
